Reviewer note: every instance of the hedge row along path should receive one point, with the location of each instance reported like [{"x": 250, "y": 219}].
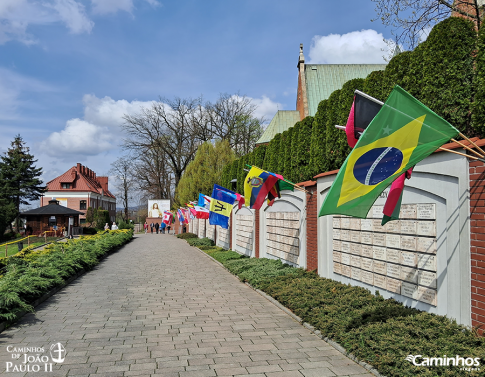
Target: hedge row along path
[{"x": 161, "y": 307}]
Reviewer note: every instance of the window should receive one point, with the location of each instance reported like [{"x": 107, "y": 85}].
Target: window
[
  {"x": 82, "y": 204},
  {"x": 83, "y": 221},
  {"x": 66, "y": 185}
]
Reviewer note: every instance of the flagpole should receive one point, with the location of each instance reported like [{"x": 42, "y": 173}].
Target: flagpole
[
  {"x": 471, "y": 142},
  {"x": 461, "y": 154},
  {"x": 291, "y": 183},
  {"x": 466, "y": 147}
]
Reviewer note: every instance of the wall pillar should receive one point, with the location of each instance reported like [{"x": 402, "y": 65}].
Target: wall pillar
[
  {"x": 256, "y": 233},
  {"x": 311, "y": 228}
]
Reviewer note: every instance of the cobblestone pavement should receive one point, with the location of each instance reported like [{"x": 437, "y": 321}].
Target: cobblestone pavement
[{"x": 159, "y": 307}]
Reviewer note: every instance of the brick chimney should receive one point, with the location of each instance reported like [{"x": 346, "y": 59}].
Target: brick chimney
[
  {"x": 103, "y": 181},
  {"x": 78, "y": 167}
]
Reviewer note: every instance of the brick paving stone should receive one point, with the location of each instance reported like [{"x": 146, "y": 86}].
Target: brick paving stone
[{"x": 159, "y": 307}]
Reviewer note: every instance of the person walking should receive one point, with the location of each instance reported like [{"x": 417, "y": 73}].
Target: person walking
[
  {"x": 114, "y": 226},
  {"x": 151, "y": 227},
  {"x": 156, "y": 227},
  {"x": 163, "y": 226},
  {"x": 106, "y": 227},
  {"x": 145, "y": 226}
]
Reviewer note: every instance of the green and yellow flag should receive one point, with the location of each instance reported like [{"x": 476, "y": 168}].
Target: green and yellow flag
[{"x": 403, "y": 133}]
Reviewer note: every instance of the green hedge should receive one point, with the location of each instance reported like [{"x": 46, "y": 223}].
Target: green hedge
[
  {"x": 187, "y": 235},
  {"x": 200, "y": 241}
]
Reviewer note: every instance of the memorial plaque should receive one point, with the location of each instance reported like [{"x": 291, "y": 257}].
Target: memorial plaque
[
  {"x": 377, "y": 212},
  {"x": 427, "y": 295},
  {"x": 393, "y": 240},
  {"x": 336, "y": 256},
  {"x": 394, "y": 270},
  {"x": 345, "y": 247},
  {"x": 345, "y": 235},
  {"x": 408, "y": 211},
  {"x": 427, "y": 262},
  {"x": 380, "y": 281},
  {"x": 379, "y": 239},
  {"x": 367, "y": 264},
  {"x": 366, "y": 237},
  {"x": 408, "y": 259},
  {"x": 337, "y": 245},
  {"x": 426, "y": 228},
  {"x": 337, "y": 268},
  {"x": 367, "y": 277},
  {"x": 355, "y": 273},
  {"x": 426, "y": 211},
  {"x": 355, "y": 236},
  {"x": 366, "y": 225},
  {"x": 379, "y": 253},
  {"x": 393, "y": 256},
  {"x": 393, "y": 226},
  {"x": 408, "y": 227},
  {"x": 367, "y": 251},
  {"x": 354, "y": 223},
  {"x": 336, "y": 222},
  {"x": 380, "y": 267},
  {"x": 346, "y": 270},
  {"x": 409, "y": 274},
  {"x": 345, "y": 258},
  {"x": 393, "y": 285},
  {"x": 408, "y": 243},
  {"x": 427, "y": 245},
  {"x": 427, "y": 279},
  {"x": 355, "y": 248},
  {"x": 355, "y": 261},
  {"x": 345, "y": 222},
  {"x": 409, "y": 290},
  {"x": 377, "y": 227}
]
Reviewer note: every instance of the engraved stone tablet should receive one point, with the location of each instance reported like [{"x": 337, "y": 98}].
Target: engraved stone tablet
[
  {"x": 336, "y": 256},
  {"x": 345, "y": 258},
  {"x": 345, "y": 235},
  {"x": 345, "y": 222},
  {"x": 366, "y": 225},
  {"x": 366, "y": 237},
  {"x": 409, "y": 290},
  {"x": 337, "y": 268},
  {"x": 379, "y": 253},
  {"x": 379, "y": 239},
  {"x": 393, "y": 240},
  {"x": 394, "y": 270},
  {"x": 426, "y": 211},
  {"x": 427, "y": 295},
  {"x": 408, "y": 259},
  {"x": 393, "y": 226},
  {"x": 393, "y": 256},
  {"x": 427, "y": 279},
  {"x": 367, "y": 277},
  {"x": 377, "y": 212},
  {"x": 380, "y": 267},
  {"x": 354, "y": 224},
  {"x": 346, "y": 271},
  {"x": 337, "y": 245},
  {"x": 393, "y": 285},
  {"x": 367, "y": 251},
  {"x": 409, "y": 274},
  {"x": 380, "y": 281},
  {"x": 426, "y": 228},
  {"x": 355, "y": 248},
  {"x": 427, "y": 245},
  {"x": 355, "y": 236},
  {"x": 408, "y": 227},
  {"x": 408, "y": 243},
  {"x": 355, "y": 273},
  {"x": 367, "y": 264},
  {"x": 427, "y": 262},
  {"x": 345, "y": 247},
  {"x": 336, "y": 222},
  {"x": 355, "y": 261},
  {"x": 377, "y": 227},
  {"x": 408, "y": 211}
]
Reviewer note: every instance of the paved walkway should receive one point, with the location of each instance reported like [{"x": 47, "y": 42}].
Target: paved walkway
[{"x": 159, "y": 307}]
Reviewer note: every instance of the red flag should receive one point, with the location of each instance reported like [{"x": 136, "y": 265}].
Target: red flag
[
  {"x": 393, "y": 202},
  {"x": 349, "y": 128}
]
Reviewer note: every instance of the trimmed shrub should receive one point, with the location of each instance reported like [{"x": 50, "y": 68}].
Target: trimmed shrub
[
  {"x": 478, "y": 116},
  {"x": 200, "y": 242},
  {"x": 318, "y": 160},
  {"x": 185, "y": 236}
]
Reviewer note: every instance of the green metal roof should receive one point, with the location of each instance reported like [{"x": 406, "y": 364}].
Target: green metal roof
[
  {"x": 282, "y": 120},
  {"x": 323, "y": 79}
]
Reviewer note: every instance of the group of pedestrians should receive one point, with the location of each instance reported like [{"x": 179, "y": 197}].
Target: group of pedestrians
[{"x": 157, "y": 227}]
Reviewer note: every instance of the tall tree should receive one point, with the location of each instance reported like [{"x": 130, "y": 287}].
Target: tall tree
[
  {"x": 412, "y": 19},
  {"x": 122, "y": 169},
  {"x": 20, "y": 179}
]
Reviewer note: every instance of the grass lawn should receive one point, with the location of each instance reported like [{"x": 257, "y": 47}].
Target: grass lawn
[{"x": 13, "y": 248}]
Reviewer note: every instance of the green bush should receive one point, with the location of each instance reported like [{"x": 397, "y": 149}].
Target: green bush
[
  {"x": 125, "y": 225},
  {"x": 186, "y": 236},
  {"x": 200, "y": 242},
  {"x": 91, "y": 231}
]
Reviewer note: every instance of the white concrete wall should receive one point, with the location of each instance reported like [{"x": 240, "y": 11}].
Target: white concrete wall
[{"x": 243, "y": 231}]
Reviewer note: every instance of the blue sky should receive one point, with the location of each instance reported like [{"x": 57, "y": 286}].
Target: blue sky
[{"x": 70, "y": 69}]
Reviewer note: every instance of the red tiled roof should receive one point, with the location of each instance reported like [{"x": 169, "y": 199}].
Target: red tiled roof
[{"x": 307, "y": 183}]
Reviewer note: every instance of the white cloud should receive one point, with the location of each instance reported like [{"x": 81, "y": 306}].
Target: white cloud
[
  {"x": 266, "y": 108},
  {"x": 73, "y": 15},
  {"x": 112, "y": 6},
  {"x": 98, "y": 132},
  {"x": 357, "y": 47}
]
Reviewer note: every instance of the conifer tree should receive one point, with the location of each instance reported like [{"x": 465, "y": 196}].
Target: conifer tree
[{"x": 20, "y": 179}]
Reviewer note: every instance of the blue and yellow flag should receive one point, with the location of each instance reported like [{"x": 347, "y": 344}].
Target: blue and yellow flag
[
  {"x": 220, "y": 208},
  {"x": 257, "y": 184}
]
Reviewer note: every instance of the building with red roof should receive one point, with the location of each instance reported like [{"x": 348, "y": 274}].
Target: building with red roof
[{"x": 79, "y": 188}]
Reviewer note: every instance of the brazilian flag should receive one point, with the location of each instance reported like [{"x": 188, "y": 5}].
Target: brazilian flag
[{"x": 402, "y": 133}]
